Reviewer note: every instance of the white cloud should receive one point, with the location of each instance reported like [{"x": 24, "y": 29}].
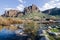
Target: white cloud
[
  {"x": 20, "y": 7},
  {"x": 55, "y": 0},
  {"x": 7, "y": 8},
  {"x": 50, "y": 4},
  {"x": 10, "y": 9},
  {"x": 21, "y": 1}
]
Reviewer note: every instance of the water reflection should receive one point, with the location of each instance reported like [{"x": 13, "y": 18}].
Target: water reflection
[{"x": 6, "y": 34}]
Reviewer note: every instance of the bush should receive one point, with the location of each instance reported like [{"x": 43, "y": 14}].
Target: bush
[{"x": 31, "y": 28}]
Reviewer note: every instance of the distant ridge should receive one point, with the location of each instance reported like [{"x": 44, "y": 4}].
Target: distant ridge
[{"x": 53, "y": 11}]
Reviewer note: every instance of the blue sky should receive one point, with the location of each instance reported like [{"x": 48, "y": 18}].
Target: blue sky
[{"x": 20, "y": 4}]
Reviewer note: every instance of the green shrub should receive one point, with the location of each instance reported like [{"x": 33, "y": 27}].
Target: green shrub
[{"x": 31, "y": 28}]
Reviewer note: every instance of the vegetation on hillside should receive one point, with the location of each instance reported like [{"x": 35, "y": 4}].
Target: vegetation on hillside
[{"x": 35, "y": 15}]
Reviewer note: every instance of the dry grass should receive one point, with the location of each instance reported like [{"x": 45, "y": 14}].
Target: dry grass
[
  {"x": 8, "y": 21},
  {"x": 1, "y": 27}
]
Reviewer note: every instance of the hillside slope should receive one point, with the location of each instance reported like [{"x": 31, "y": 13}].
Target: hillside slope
[
  {"x": 35, "y": 15},
  {"x": 53, "y": 11}
]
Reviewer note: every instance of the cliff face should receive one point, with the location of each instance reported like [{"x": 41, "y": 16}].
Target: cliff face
[
  {"x": 12, "y": 13},
  {"x": 31, "y": 9},
  {"x": 17, "y": 13}
]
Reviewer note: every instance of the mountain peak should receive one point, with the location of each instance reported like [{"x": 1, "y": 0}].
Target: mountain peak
[{"x": 32, "y": 8}]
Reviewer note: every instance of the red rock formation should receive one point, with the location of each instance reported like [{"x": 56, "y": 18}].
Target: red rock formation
[{"x": 17, "y": 13}]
